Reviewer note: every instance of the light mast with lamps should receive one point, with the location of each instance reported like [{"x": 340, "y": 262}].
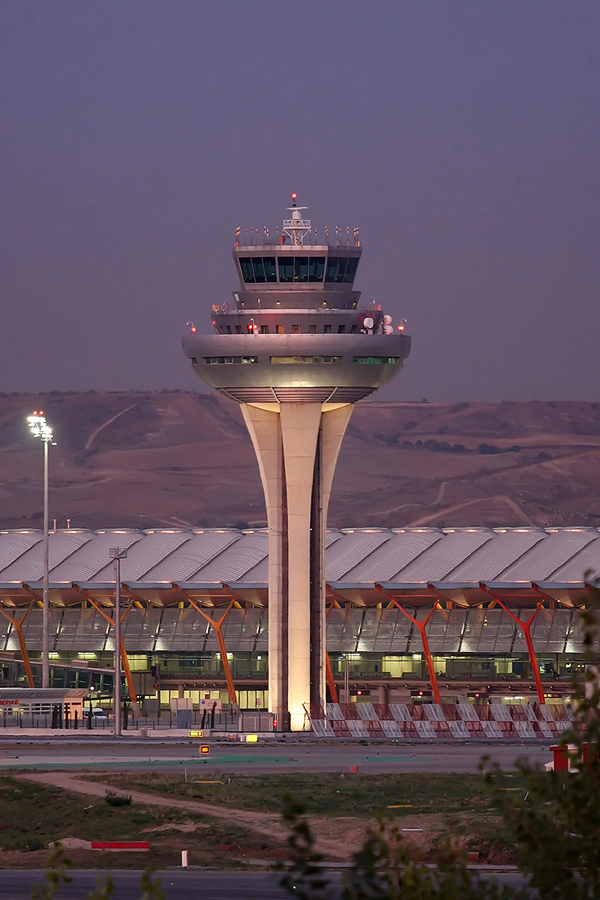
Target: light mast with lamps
[{"x": 40, "y": 429}]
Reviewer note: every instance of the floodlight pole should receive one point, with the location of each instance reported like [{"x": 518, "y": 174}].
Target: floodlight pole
[
  {"x": 45, "y": 592},
  {"x": 40, "y": 429},
  {"x": 117, "y": 553}
]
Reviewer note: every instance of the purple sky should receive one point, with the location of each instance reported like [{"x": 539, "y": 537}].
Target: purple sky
[{"x": 462, "y": 137}]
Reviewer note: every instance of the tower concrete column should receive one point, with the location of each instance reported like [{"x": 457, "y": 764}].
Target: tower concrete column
[
  {"x": 264, "y": 426},
  {"x": 297, "y": 446}
]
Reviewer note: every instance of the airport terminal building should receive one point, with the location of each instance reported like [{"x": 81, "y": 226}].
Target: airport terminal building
[{"x": 411, "y": 613}]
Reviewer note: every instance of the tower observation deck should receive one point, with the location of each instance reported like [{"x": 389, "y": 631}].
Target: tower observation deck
[{"x": 296, "y": 348}]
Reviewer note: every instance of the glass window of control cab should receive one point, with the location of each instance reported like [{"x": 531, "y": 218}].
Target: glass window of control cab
[
  {"x": 286, "y": 268},
  {"x": 264, "y": 269},
  {"x": 316, "y": 268},
  {"x": 351, "y": 268},
  {"x": 341, "y": 269},
  {"x": 259, "y": 269},
  {"x": 301, "y": 268},
  {"x": 270, "y": 268},
  {"x": 247, "y": 269}
]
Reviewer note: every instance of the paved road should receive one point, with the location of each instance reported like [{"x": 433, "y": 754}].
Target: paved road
[
  {"x": 175, "y": 757},
  {"x": 16, "y": 885}
]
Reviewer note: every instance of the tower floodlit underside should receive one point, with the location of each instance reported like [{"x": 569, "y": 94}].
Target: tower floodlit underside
[{"x": 296, "y": 350}]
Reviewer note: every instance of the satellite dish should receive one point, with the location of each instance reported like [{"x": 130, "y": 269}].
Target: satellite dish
[
  {"x": 368, "y": 322},
  {"x": 387, "y": 320},
  {"x": 387, "y": 329}
]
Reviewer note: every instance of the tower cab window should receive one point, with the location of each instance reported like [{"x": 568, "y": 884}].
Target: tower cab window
[
  {"x": 316, "y": 268},
  {"x": 281, "y": 329},
  {"x": 286, "y": 268},
  {"x": 258, "y": 269},
  {"x": 264, "y": 329},
  {"x": 247, "y": 270},
  {"x": 295, "y": 329},
  {"x": 341, "y": 270},
  {"x": 301, "y": 268}
]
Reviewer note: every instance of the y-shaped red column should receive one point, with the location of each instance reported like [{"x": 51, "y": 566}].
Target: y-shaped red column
[
  {"x": 420, "y": 626},
  {"x": 525, "y": 625}
]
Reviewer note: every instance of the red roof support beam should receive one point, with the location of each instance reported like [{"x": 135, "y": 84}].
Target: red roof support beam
[
  {"x": 420, "y": 626},
  {"x": 217, "y": 625},
  {"x": 525, "y": 625},
  {"x": 124, "y": 657},
  {"x": 328, "y": 669},
  {"x": 17, "y": 624}
]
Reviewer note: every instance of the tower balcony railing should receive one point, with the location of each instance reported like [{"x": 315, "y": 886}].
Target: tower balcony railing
[
  {"x": 287, "y": 245},
  {"x": 231, "y": 308}
]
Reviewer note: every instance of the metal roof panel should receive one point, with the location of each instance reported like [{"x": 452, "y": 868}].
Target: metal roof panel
[
  {"x": 233, "y": 563},
  {"x": 86, "y": 562},
  {"x": 549, "y": 556},
  {"x": 584, "y": 565},
  {"x": 30, "y": 566},
  {"x": 443, "y": 556},
  {"x": 184, "y": 562},
  {"x": 353, "y": 546},
  {"x": 146, "y": 553},
  {"x": 495, "y": 555},
  {"x": 14, "y": 544},
  {"x": 392, "y": 556}
]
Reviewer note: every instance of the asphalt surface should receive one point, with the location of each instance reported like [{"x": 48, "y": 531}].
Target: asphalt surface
[
  {"x": 178, "y": 885},
  {"x": 118, "y": 755}
]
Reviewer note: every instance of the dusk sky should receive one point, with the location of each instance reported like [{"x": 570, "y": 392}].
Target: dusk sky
[{"x": 463, "y": 138}]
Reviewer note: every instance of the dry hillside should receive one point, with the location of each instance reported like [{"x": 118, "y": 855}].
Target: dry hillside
[{"x": 181, "y": 458}]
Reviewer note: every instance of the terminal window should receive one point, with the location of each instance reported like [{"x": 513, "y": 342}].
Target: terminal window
[
  {"x": 295, "y": 360},
  {"x": 377, "y": 360},
  {"x": 229, "y": 360}
]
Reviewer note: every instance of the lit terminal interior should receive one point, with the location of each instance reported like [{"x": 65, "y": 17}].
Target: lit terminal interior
[{"x": 419, "y": 614}]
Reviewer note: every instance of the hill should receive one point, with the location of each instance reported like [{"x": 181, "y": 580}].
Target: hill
[{"x": 140, "y": 459}]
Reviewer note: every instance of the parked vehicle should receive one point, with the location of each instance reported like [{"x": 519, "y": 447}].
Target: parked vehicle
[{"x": 98, "y": 714}]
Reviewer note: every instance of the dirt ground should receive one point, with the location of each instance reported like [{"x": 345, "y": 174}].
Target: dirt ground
[{"x": 338, "y": 837}]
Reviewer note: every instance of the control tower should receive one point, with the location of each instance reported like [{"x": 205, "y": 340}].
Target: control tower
[{"x": 296, "y": 349}]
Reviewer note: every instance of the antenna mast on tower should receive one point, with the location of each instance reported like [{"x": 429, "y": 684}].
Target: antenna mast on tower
[{"x": 296, "y": 228}]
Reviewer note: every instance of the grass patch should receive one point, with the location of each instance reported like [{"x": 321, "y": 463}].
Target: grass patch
[
  {"x": 32, "y": 815},
  {"x": 441, "y": 806},
  {"x": 326, "y": 793}
]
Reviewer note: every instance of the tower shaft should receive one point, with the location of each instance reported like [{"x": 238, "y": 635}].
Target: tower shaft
[{"x": 297, "y": 446}]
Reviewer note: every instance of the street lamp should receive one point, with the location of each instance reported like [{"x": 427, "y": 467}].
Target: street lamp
[
  {"x": 40, "y": 429},
  {"x": 117, "y": 553}
]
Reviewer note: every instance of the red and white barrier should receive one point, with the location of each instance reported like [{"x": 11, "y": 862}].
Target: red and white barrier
[{"x": 433, "y": 721}]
